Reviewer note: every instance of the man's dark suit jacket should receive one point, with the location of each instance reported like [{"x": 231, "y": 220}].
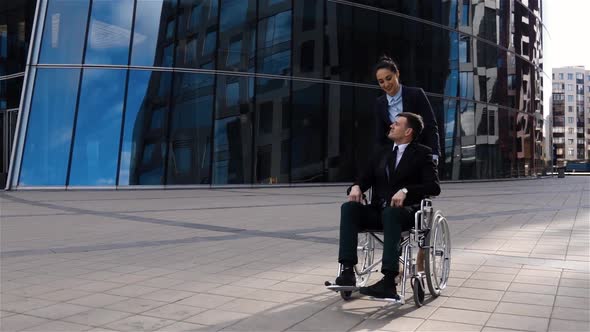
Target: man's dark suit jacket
[
  {"x": 416, "y": 172},
  {"x": 413, "y": 100}
]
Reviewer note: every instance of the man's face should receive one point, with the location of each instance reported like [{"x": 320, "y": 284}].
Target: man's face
[{"x": 399, "y": 129}]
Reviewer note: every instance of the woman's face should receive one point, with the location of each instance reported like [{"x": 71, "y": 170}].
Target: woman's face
[{"x": 388, "y": 81}]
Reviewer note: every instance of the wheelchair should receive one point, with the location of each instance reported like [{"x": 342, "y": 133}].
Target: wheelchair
[{"x": 430, "y": 234}]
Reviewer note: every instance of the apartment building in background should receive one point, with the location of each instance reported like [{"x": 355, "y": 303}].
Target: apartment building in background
[{"x": 571, "y": 114}]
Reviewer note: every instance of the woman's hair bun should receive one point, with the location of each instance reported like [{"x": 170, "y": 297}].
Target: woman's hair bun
[
  {"x": 385, "y": 58},
  {"x": 386, "y": 62}
]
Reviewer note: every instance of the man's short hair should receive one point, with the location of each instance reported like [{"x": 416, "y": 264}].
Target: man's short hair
[{"x": 415, "y": 122}]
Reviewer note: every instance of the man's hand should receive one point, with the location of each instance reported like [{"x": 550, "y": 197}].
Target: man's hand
[
  {"x": 398, "y": 199},
  {"x": 356, "y": 195}
]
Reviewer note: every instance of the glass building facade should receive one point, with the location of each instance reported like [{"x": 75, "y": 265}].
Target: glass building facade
[{"x": 254, "y": 92}]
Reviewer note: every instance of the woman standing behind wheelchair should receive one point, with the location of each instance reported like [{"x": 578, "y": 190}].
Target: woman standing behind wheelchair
[{"x": 401, "y": 98}]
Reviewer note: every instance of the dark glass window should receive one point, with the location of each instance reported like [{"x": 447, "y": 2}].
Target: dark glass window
[
  {"x": 434, "y": 11},
  {"x": 272, "y": 109},
  {"x": 468, "y": 122},
  {"x": 307, "y": 133},
  {"x": 197, "y": 34},
  {"x": 109, "y": 32},
  {"x": 150, "y": 39},
  {"x": 467, "y": 164},
  {"x": 339, "y": 28},
  {"x": 466, "y": 84},
  {"x": 143, "y": 151},
  {"x": 365, "y": 37},
  {"x": 49, "y": 133},
  {"x": 10, "y": 91},
  {"x": 481, "y": 123},
  {"x": 189, "y": 158},
  {"x": 450, "y": 13},
  {"x": 276, "y": 29},
  {"x": 234, "y": 55},
  {"x": 274, "y": 44},
  {"x": 64, "y": 31},
  {"x": 16, "y": 22},
  {"x": 340, "y": 132},
  {"x": 464, "y": 49},
  {"x": 237, "y": 23},
  {"x": 98, "y": 128},
  {"x": 452, "y": 82},
  {"x": 364, "y": 125},
  {"x": 232, "y": 149},
  {"x": 465, "y": 12},
  {"x": 308, "y": 38},
  {"x": 451, "y": 146}
]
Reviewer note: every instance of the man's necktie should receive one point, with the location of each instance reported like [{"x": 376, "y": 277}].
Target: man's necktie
[{"x": 392, "y": 161}]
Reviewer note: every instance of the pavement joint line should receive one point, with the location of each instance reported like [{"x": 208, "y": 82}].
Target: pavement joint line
[
  {"x": 9, "y": 196},
  {"x": 110, "y": 214}
]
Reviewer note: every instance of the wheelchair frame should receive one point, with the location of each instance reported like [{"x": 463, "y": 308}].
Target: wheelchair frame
[{"x": 431, "y": 234}]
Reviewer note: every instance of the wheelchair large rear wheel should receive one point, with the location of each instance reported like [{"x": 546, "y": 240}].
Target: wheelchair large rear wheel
[{"x": 438, "y": 260}]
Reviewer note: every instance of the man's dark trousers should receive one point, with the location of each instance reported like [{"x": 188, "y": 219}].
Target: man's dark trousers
[{"x": 356, "y": 217}]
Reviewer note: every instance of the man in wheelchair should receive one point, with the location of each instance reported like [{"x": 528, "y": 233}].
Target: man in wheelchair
[{"x": 399, "y": 179}]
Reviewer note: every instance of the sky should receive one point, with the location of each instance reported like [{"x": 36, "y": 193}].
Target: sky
[{"x": 567, "y": 22}]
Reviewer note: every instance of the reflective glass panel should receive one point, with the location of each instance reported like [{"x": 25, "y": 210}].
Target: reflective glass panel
[
  {"x": 340, "y": 126},
  {"x": 197, "y": 34},
  {"x": 232, "y": 149},
  {"x": 452, "y": 82},
  {"x": 16, "y": 20},
  {"x": 10, "y": 91},
  {"x": 451, "y": 146},
  {"x": 237, "y": 35},
  {"x": 468, "y": 168},
  {"x": 494, "y": 154},
  {"x": 307, "y": 133},
  {"x": 150, "y": 39},
  {"x": 338, "y": 59},
  {"x": 64, "y": 31},
  {"x": 272, "y": 131},
  {"x": 274, "y": 44},
  {"x": 98, "y": 128},
  {"x": 109, "y": 32},
  {"x": 308, "y": 38},
  {"x": 435, "y": 11},
  {"x": 364, "y": 125},
  {"x": 49, "y": 133},
  {"x": 365, "y": 36},
  {"x": 189, "y": 158},
  {"x": 143, "y": 151}
]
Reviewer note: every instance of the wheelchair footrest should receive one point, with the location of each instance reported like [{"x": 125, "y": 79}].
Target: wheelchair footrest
[
  {"x": 389, "y": 300},
  {"x": 337, "y": 288}
]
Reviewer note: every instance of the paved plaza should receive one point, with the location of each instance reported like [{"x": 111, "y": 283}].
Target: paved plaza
[{"x": 257, "y": 259}]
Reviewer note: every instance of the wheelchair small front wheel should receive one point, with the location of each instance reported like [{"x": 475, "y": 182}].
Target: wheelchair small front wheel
[
  {"x": 346, "y": 296},
  {"x": 418, "y": 289}
]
